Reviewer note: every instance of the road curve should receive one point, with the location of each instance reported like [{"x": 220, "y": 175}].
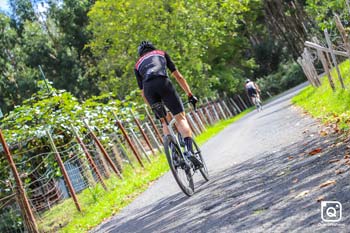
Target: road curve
[{"x": 248, "y": 190}]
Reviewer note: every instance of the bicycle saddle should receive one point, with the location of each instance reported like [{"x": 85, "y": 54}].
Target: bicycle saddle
[{"x": 159, "y": 110}]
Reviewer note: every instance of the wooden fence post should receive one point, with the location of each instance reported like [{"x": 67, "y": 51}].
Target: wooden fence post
[
  {"x": 29, "y": 219},
  {"x": 202, "y": 116},
  {"x": 227, "y": 109},
  {"x": 207, "y": 113},
  {"x": 310, "y": 67},
  {"x": 192, "y": 124},
  {"x": 221, "y": 109},
  {"x": 301, "y": 62},
  {"x": 198, "y": 121},
  {"x": 154, "y": 126},
  {"x": 144, "y": 135},
  {"x": 139, "y": 144},
  {"x": 103, "y": 150},
  {"x": 127, "y": 138},
  {"x": 210, "y": 105},
  {"x": 124, "y": 150},
  {"x": 153, "y": 136},
  {"x": 324, "y": 62},
  {"x": 244, "y": 104},
  {"x": 334, "y": 58},
  {"x": 89, "y": 157},
  {"x": 343, "y": 34},
  {"x": 236, "y": 106},
  {"x": 64, "y": 172}
]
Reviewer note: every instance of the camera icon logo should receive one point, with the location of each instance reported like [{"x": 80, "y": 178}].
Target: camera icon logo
[{"x": 331, "y": 211}]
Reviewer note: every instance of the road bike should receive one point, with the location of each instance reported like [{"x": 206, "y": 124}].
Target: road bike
[
  {"x": 182, "y": 164},
  {"x": 257, "y": 102}
]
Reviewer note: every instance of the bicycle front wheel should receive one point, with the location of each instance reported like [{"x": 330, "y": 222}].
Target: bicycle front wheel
[
  {"x": 198, "y": 154},
  {"x": 182, "y": 172}
]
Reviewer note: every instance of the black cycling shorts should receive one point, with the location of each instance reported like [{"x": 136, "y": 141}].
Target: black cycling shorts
[
  {"x": 252, "y": 92},
  {"x": 160, "y": 89}
]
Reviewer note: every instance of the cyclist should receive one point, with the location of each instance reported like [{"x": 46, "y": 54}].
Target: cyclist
[
  {"x": 155, "y": 85},
  {"x": 252, "y": 89}
]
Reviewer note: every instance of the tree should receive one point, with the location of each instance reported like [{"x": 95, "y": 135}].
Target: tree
[
  {"x": 17, "y": 80},
  {"x": 185, "y": 29}
]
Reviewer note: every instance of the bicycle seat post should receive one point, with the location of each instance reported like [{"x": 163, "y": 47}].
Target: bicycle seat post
[{"x": 166, "y": 121}]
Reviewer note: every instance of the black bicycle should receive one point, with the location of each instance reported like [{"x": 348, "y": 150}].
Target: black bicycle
[{"x": 183, "y": 164}]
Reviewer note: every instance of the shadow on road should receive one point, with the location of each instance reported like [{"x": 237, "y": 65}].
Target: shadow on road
[{"x": 276, "y": 193}]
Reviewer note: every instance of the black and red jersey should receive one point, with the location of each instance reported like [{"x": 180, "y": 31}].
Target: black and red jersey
[{"x": 153, "y": 64}]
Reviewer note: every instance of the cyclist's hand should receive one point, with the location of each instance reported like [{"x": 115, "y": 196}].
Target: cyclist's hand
[{"x": 192, "y": 99}]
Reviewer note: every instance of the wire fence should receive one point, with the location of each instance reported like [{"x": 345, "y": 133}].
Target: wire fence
[{"x": 51, "y": 173}]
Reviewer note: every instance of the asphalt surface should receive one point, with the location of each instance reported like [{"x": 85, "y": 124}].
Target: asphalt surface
[{"x": 262, "y": 180}]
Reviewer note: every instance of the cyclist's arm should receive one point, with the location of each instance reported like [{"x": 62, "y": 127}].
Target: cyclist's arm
[
  {"x": 182, "y": 82},
  {"x": 177, "y": 75}
]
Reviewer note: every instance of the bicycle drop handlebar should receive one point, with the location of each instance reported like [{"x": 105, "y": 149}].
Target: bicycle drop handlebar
[{"x": 193, "y": 105}]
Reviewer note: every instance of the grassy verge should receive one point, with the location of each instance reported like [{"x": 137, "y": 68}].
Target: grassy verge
[
  {"x": 331, "y": 107},
  {"x": 99, "y": 204}
]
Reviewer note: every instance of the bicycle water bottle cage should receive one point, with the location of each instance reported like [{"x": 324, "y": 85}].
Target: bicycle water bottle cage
[{"x": 159, "y": 110}]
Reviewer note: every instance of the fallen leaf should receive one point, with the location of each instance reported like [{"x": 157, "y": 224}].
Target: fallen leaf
[
  {"x": 280, "y": 173},
  {"x": 327, "y": 183},
  {"x": 338, "y": 172},
  {"x": 315, "y": 151},
  {"x": 323, "y": 133},
  {"x": 339, "y": 144},
  {"x": 320, "y": 198},
  {"x": 333, "y": 160},
  {"x": 290, "y": 157},
  {"x": 295, "y": 180},
  {"x": 302, "y": 194},
  {"x": 347, "y": 156}
]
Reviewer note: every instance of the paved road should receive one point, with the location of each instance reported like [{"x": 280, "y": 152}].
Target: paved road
[{"x": 261, "y": 181}]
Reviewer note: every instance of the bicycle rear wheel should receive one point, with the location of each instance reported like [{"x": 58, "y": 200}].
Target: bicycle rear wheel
[
  {"x": 182, "y": 172},
  {"x": 198, "y": 154}
]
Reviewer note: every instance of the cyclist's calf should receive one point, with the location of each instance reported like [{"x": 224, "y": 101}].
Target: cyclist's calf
[{"x": 182, "y": 125}]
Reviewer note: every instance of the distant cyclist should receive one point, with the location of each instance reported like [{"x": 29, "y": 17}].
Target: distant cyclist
[
  {"x": 253, "y": 90},
  {"x": 152, "y": 79}
]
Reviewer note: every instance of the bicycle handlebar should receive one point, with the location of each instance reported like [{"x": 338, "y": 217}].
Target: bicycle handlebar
[{"x": 193, "y": 105}]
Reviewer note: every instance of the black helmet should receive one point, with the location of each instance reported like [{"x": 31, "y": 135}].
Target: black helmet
[
  {"x": 145, "y": 46},
  {"x": 247, "y": 81}
]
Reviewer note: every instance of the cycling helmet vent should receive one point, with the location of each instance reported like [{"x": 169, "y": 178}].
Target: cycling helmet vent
[{"x": 144, "y": 47}]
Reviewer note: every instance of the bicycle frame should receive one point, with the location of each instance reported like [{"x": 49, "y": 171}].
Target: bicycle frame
[{"x": 173, "y": 135}]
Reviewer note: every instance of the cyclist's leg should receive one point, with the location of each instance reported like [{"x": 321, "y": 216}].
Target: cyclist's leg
[
  {"x": 164, "y": 125},
  {"x": 184, "y": 129},
  {"x": 153, "y": 97},
  {"x": 174, "y": 104}
]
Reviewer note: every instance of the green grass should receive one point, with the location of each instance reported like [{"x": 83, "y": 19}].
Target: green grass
[
  {"x": 331, "y": 107},
  {"x": 215, "y": 129},
  {"x": 98, "y": 204}
]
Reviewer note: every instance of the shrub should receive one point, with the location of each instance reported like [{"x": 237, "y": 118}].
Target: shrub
[{"x": 288, "y": 75}]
